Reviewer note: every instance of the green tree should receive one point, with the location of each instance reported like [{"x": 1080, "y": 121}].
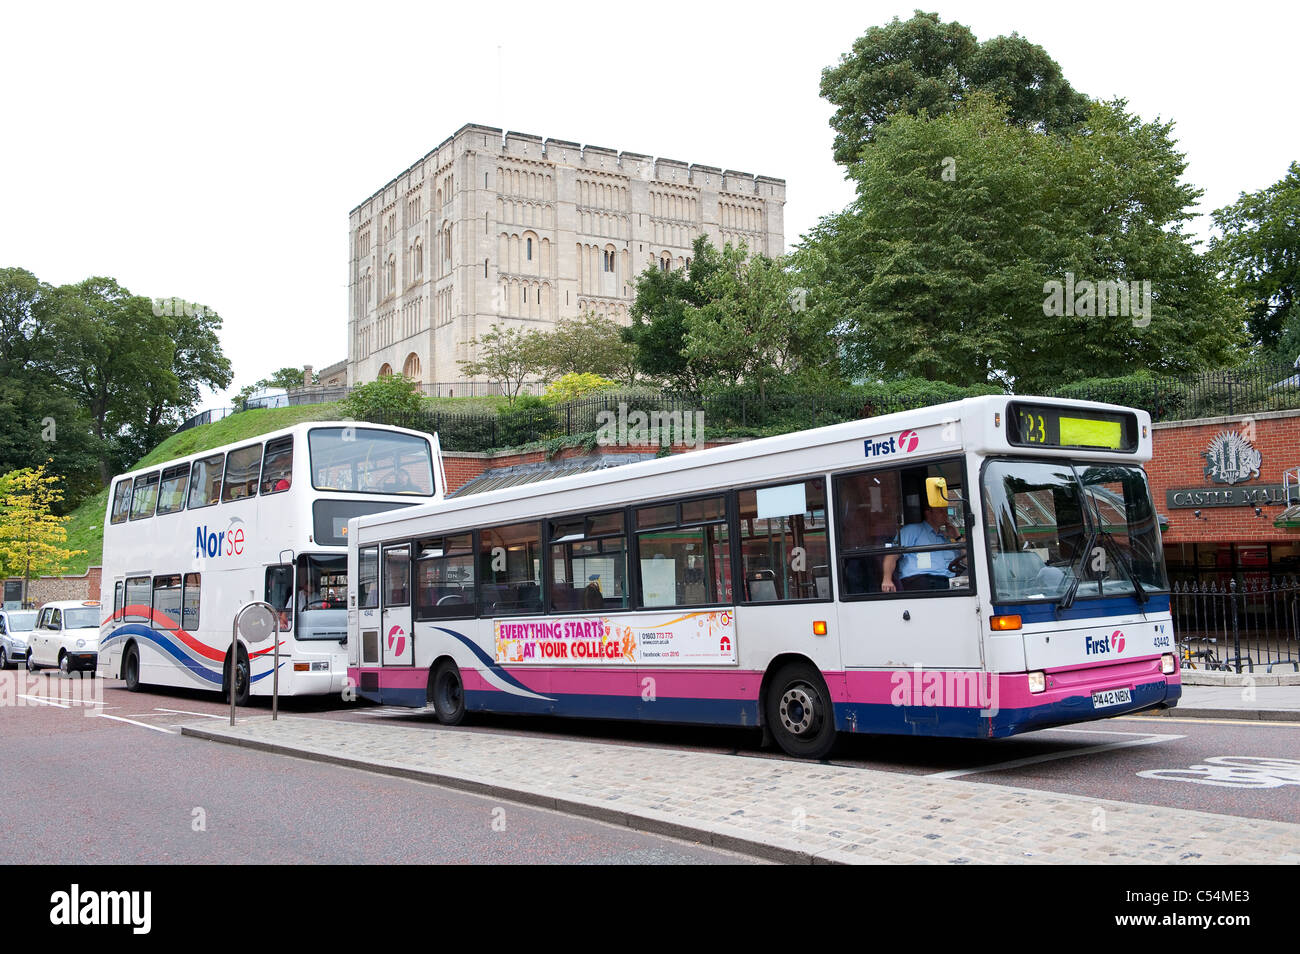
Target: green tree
[
  {"x": 509, "y": 356},
  {"x": 753, "y": 327},
  {"x": 390, "y": 397},
  {"x": 115, "y": 358},
  {"x": 926, "y": 65},
  {"x": 196, "y": 362},
  {"x": 31, "y": 535},
  {"x": 1259, "y": 252},
  {"x": 572, "y": 386},
  {"x": 941, "y": 269},
  {"x": 658, "y": 330},
  {"x": 585, "y": 345},
  {"x": 39, "y": 418},
  {"x": 285, "y": 379}
]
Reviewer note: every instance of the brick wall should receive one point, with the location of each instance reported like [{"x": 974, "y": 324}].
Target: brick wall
[
  {"x": 464, "y": 467},
  {"x": 47, "y": 589},
  {"x": 1177, "y": 462}
]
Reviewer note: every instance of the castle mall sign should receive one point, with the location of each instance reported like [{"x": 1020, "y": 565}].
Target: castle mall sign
[
  {"x": 1231, "y": 458},
  {"x": 1260, "y": 495}
]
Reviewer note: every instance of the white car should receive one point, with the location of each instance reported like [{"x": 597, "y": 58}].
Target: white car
[
  {"x": 15, "y": 631},
  {"x": 66, "y": 635}
]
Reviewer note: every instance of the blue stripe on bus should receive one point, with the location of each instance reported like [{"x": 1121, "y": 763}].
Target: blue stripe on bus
[
  {"x": 177, "y": 652},
  {"x": 856, "y": 717},
  {"x": 485, "y": 660},
  {"x": 1085, "y": 609}
]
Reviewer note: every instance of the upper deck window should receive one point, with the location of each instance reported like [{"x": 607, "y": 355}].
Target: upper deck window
[{"x": 369, "y": 461}]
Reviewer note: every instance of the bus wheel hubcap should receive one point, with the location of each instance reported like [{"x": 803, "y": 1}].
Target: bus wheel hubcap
[{"x": 798, "y": 710}]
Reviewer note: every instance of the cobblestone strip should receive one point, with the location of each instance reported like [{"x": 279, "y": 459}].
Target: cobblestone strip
[{"x": 787, "y": 811}]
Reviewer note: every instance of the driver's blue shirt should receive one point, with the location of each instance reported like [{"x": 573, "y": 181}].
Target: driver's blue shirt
[{"x": 923, "y": 535}]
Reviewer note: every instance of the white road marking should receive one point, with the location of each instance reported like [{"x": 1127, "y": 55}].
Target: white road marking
[
  {"x": 1101, "y": 732},
  {"x": 143, "y": 725},
  {"x": 1017, "y": 763},
  {"x": 43, "y": 701},
  {"x": 1197, "y": 721},
  {"x": 206, "y": 715}
]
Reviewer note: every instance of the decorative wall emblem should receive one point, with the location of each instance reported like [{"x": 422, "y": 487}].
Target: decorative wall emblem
[{"x": 1230, "y": 459}]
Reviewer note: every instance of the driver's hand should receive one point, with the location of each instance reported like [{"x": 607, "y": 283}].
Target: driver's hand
[{"x": 887, "y": 586}]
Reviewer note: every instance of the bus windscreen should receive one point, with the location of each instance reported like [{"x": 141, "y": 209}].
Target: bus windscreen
[{"x": 368, "y": 461}]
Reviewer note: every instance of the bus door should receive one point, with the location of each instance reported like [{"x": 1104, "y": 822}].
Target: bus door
[
  {"x": 396, "y": 637},
  {"x": 906, "y": 598}
]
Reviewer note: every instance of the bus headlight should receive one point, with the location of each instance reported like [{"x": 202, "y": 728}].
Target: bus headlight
[
  {"x": 81, "y": 644},
  {"x": 1037, "y": 681},
  {"x": 1168, "y": 665}
]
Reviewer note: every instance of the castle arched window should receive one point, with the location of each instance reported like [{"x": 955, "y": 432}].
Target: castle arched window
[
  {"x": 530, "y": 250},
  {"x": 411, "y": 369},
  {"x": 386, "y": 370}
]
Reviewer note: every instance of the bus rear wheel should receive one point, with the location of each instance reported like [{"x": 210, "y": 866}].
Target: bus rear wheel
[
  {"x": 447, "y": 693},
  {"x": 799, "y": 712}
]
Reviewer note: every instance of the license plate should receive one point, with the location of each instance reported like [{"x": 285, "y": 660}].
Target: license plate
[{"x": 1111, "y": 697}]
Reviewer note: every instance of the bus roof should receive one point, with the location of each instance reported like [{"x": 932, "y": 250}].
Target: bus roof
[
  {"x": 295, "y": 429},
  {"x": 739, "y": 464}
]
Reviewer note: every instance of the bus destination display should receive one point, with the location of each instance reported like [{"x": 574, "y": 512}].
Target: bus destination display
[{"x": 1037, "y": 425}]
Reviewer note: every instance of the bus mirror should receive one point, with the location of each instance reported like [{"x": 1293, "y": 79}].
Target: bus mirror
[
  {"x": 936, "y": 490},
  {"x": 286, "y": 556}
]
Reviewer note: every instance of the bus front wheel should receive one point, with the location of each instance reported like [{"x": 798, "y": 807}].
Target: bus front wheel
[
  {"x": 799, "y": 712},
  {"x": 242, "y": 685},
  {"x": 448, "y": 694},
  {"x": 131, "y": 670}
]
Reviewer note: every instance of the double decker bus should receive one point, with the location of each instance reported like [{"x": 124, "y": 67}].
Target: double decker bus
[
  {"x": 974, "y": 569},
  {"x": 189, "y": 542}
]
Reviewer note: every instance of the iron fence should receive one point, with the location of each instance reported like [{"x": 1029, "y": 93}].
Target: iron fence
[
  {"x": 1250, "y": 389},
  {"x": 1235, "y": 628}
]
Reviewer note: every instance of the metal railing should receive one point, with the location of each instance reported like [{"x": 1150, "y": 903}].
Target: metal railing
[
  {"x": 1235, "y": 628},
  {"x": 1250, "y": 389}
]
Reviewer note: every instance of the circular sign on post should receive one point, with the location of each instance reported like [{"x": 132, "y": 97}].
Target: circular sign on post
[{"x": 256, "y": 622}]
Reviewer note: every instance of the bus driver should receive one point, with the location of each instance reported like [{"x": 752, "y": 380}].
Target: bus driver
[{"x": 927, "y": 570}]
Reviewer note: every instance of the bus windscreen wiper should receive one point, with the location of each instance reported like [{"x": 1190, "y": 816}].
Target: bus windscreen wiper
[
  {"x": 1122, "y": 559},
  {"x": 1067, "y": 598}
]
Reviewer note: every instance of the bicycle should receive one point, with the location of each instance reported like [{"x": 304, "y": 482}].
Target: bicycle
[{"x": 1207, "y": 655}]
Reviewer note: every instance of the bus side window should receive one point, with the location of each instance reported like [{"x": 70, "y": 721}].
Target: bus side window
[
  {"x": 190, "y": 603},
  {"x": 118, "y": 595},
  {"x": 121, "y": 501},
  {"x": 205, "y": 481},
  {"x": 277, "y": 466},
  {"x": 368, "y": 578}
]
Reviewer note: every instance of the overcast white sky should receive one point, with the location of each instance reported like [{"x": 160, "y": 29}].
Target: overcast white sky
[{"x": 214, "y": 152}]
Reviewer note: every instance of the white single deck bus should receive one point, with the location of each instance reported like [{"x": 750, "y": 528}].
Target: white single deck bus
[
  {"x": 975, "y": 569},
  {"x": 189, "y": 542}
]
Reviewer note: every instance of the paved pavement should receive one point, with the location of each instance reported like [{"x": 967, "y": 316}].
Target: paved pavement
[
  {"x": 785, "y": 810},
  {"x": 1233, "y": 699}
]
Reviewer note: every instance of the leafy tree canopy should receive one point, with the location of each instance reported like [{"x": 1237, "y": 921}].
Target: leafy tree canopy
[
  {"x": 588, "y": 345},
  {"x": 506, "y": 355},
  {"x": 926, "y": 65},
  {"x": 388, "y": 397},
  {"x": 1259, "y": 252},
  {"x": 942, "y": 267}
]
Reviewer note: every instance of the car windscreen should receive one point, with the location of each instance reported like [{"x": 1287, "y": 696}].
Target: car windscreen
[
  {"x": 22, "y": 621},
  {"x": 81, "y": 617}
]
